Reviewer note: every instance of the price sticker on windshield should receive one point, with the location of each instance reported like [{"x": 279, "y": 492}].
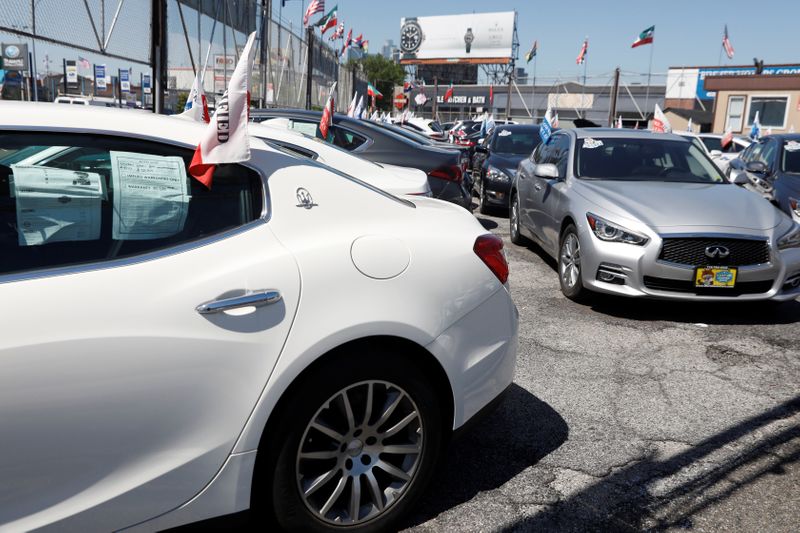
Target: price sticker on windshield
[
  {"x": 592, "y": 143},
  {"x": 792, "y": 146}
]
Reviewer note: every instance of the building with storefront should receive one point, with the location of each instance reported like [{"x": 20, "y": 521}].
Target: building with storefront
[{"x": 775, "y": 97}]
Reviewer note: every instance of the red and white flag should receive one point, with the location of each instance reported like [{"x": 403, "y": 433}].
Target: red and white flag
[
  {"x": 326, "y": 121},
  {"x": 225, "y": 139},
  {"x": 316, "y": 6},
  {"x": 581, "y": 59},
  {"x": 337, "y": 34},
  {"x": 448, "y": 94},
  {"x": 660, "y": 122},
  {"x": 726, "y": 44},
  {"x": 196, "y": 107},
  {"x": 347, "y": 42},
  {"x": 727, "y": 138}
]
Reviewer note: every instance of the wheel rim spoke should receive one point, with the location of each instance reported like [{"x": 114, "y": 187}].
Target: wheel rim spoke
[
  {"x": 355, "y": 498},
  {"x": 400, "y": 425},
  {"x": 377, "y": 494},
  {"x": 321, "y": 480},
  {"x": 368, "y": 411},
  {"x": 334, "y": 496},
  {"x": 320, "y": 455},
  {"x": 392, "y": 470},
  {"x": 348, "y": 409},
  {"x": 404, "y": 449},
  {"x": 338, "y": 437},
  {"x": 388, "y": 411}
]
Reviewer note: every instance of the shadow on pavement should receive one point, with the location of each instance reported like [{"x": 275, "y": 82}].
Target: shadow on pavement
[
  {"x": 517, "y": 435},
  {"x": 622, "y": 501},
  {"x": 487, "y": 223},
  {"x": 717, "y": 313}
]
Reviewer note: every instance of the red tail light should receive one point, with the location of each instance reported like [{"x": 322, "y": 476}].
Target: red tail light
[
  {"x": 449, "y": 173},
  {"x": 489, "y": 248}
]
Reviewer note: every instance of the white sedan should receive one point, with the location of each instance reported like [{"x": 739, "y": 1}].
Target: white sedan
[
  {"x": 390, "y": 178},
  {"x": 291, "y": 339}
]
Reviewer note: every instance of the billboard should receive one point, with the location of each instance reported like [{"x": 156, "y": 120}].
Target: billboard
[
  {"x": 100, "y": 77},
  {"x": 124, "y": 81},
  {"x": 475, "y": 38}
]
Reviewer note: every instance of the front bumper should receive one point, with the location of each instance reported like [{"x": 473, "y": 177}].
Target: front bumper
[
  {"x": 636, "y": 271},
  {"x": 497, "y": 192},
  {"x": 479, "y": 353}
]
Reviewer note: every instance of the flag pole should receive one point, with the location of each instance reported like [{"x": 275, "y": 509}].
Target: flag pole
[
  {"x": 533, "y": 89},
  {"x": 583, "y": 91},
  {"x": 649, "y": 73}
]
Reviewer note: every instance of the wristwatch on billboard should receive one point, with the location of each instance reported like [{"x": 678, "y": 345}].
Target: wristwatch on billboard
[
  {"x": 468, "y": 38},
  {"x": 411, "y": 36}
]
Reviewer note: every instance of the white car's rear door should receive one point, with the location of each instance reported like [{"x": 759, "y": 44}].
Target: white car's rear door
[{"x": 120, "y": 397}]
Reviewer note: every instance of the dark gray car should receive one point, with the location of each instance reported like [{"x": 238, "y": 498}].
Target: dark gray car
[{"x": 370, "y": 141}]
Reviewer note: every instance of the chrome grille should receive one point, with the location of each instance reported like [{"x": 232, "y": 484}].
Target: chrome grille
[{"x": 692, "y": 251}]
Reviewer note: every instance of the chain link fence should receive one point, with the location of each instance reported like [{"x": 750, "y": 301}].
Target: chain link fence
[{"x": 201, "y": 34}]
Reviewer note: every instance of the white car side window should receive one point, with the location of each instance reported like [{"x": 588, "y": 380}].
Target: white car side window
[{"x": 71, "y": 199}]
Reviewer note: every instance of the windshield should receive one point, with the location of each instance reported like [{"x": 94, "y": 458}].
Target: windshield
[
  {"x": 791, "y": 157},
  {"x": 645, "y": 159},
  {"x": 519, "y": 142}
]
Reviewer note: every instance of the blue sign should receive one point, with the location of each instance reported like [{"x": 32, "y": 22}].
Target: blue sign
[
  {"x": 737, "y": 71},
  {"x": 125, "y": 81},
  {"x": 2, "y": 76},
  {"x": 146, "y": 84},
  {"x": 100, "y": 76},
  {"x": 545, "y": 130}
]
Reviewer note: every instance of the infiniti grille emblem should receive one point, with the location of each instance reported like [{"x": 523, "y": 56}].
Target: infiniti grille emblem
[
  {"x": 717, "y": 251},
  {"x": 304, "y": 199}
]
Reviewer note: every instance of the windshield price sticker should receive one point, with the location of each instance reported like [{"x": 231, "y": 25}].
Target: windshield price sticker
[
  {"x": 504, "y": 133},
  {"x": 792, "y": 146},
  {"x": 592, "y": 143}
]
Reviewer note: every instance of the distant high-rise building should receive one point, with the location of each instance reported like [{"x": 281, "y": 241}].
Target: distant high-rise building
[{"x": 389, "y": 50}]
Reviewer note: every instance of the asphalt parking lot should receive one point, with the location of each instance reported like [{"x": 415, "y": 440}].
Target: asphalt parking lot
[{"x": 631, "y": 415}]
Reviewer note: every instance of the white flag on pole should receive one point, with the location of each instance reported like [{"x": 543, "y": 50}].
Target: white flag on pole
[
  {"x": 225, "y": 139},
  {"x": 660, "y": 122},
  {"x": 196, "y": 107}
]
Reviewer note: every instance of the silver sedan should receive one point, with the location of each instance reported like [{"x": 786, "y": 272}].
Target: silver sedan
[{"x": 649, "y": 215}]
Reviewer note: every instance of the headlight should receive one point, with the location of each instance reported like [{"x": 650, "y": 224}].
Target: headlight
[
  {"x": 496, "y": 174},
  {"x": 795, "y": 205},
  {"x": 791, "y": 239},
  {"x": 606, "y": 231}
]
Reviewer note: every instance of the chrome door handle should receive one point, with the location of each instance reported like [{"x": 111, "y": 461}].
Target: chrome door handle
[
  {"x": 251, "y": 299},
  {"x": 537, "y": 186}
]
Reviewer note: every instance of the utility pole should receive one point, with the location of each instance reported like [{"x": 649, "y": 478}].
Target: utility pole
[
  {"x": 158, "y": 53},
  {"x": 508, "y": 101},
  {"x": 310, "y": 67},
  {"x": 266, "y": 10},
  {"x": 612, "y": 110},
  {"x": 435, "y": 97}
]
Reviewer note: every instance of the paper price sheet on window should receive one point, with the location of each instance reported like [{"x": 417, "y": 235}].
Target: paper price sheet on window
[
  {"x": 151, "y": 195},
  {"x": 55, "y": 205}
]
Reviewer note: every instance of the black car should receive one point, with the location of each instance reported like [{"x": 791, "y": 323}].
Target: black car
[
  {"x": 771, "y": 166},
  {"x": 496, "y": 159},
  {"x": 372, "y": 142}
]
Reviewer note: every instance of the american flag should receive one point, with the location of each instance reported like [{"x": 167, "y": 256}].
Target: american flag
[
  {"x": 316, "y": 6},
  {"x": 581, "y": 59},
  {"x": 726, "y": 44},
  {"x": 84, "y": 62}
]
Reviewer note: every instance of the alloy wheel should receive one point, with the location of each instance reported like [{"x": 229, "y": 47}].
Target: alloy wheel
[
  {"x": 570, "y": 264},
  {"x": 360, "y": 453}
]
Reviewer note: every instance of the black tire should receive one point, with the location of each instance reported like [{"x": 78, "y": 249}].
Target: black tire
[
  {"x": 513, "y": 222},
  {"x": 483, "y": 208},
  {"x": 277, "y": 479},
  {"x": 574, "y": 291}
]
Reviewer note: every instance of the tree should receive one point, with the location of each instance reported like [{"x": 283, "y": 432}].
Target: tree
[{"x": 384, "y": 74}]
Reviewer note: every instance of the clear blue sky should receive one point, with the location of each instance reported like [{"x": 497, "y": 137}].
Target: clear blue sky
[{"x": 688, "y": 32}]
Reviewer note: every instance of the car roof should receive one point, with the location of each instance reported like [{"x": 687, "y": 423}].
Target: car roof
[
  {"x": 782, "y": 137},
  {"x": 624, "y": 133},
  {"x": 45, "y": 116},
  {"x": 518, "y": 127}
]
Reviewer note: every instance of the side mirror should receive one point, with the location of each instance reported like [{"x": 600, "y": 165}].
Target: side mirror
[
  {"x": 546, "y": 171},
  {"x": 715, "y": 153},
  {"x": 738, "y": 177},
  {"x": 756, "y": 167}
]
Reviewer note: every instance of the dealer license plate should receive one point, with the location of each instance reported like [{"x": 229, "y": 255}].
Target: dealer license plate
[{"x": 713, "y": 276}]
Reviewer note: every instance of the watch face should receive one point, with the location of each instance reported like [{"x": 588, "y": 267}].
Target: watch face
[
  {"x": 410, "y": 37},
  {"x": 469, "y": 37}
]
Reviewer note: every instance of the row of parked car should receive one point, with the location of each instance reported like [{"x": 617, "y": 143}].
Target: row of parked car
[{"x": 292, "y": 339}]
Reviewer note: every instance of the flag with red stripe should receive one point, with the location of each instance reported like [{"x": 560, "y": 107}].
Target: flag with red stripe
[
  {"x": 646, "y": 37},
  {"x": 316, "y": 6},
  {"x": 225, "y": 138},
  {"x": 726, "y": 44}
]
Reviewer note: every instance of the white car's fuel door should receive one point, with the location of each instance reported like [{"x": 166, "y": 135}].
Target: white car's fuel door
[{"x": 142, "y": 315}]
